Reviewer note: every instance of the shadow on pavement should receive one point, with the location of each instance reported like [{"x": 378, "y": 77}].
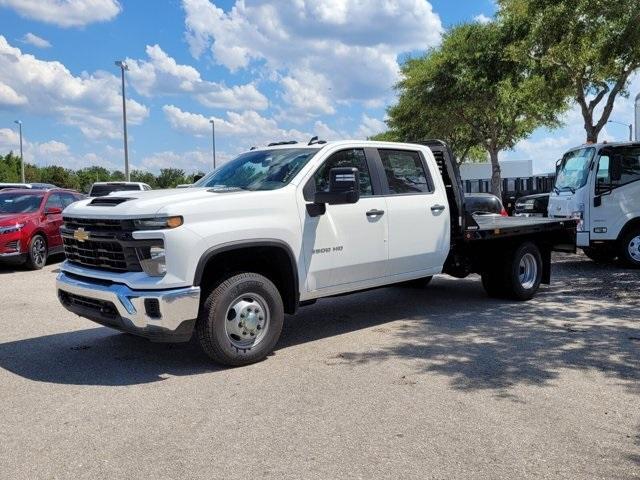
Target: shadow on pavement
[
  {"x": 587, "y": 320},
  {"x": 100, "y": 356}
]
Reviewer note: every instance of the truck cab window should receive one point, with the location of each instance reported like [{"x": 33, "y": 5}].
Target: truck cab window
[
  {"x": 630, "y": 170},
  {"x": 346, "y": 158},
  {"x": 405, "y": 172}
]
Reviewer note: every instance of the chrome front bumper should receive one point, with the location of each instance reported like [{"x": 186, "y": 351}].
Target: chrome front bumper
[{"x": 159, "y": 315}]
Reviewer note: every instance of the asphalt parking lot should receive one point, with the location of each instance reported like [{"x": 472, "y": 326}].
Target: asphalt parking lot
[{"x": 393, "y": 383}]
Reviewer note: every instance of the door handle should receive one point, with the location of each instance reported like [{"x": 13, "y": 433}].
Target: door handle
[
  {"x": 375, "y": 213},
  {"x": 437, "y": 208}
]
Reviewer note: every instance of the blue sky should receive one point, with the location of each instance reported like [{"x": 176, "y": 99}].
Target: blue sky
[{"x": 263, "y": 70}]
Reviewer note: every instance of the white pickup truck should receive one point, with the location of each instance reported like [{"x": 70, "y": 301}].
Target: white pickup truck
[
  {"x": 279, "y": 227},
  {"x": 600, "y": 185}
]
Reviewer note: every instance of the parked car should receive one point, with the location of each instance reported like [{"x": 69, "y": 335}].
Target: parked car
[
  {"x": 101, "y": 189},
  {"x": 35, "y": 186},
  {"x": 279, "y": 227},
  {"x": 532, "y": 205},
  {"x": 484, "y": 204},
  {"x": 30, "y": 223}
]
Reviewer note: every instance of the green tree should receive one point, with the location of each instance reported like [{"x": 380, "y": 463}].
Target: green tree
[
  {"x": 144, "y": 177},
  {"x": 470, "y": 92},
  {"x": 170, "y": 177},
  {"x": 586, "y": 49}
]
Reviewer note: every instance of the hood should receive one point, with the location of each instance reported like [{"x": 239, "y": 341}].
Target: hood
[
  {"x": 563, "y": 205},
  {"x": 132, "y": 204},
  {"x": 9, "y": 219}
]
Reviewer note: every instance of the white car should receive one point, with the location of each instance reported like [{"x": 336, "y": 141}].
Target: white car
[
  {"x": 279, "y": 227},
  {"x": 102, "y": 189}
]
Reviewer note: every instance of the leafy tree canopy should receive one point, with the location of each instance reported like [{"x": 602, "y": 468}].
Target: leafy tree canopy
[{"x": 585, "y": 49}]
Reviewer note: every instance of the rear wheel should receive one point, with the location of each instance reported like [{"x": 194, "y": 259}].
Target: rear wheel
[
  {"x": 241, "y": 320},
  {"x": 599, "y": 254},
  {"x": 38, "y": 253},
  {"x": 518, "y": 275},
  {"x": 630, "y": 249}
]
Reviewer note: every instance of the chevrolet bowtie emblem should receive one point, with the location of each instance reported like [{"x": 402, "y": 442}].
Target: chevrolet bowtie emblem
[{"x": 80, "y": 235}]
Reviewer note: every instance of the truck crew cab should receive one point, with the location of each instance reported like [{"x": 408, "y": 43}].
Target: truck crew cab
[
  {"x": 600, "y": 185},
  {"x": 279, "y": 227}
]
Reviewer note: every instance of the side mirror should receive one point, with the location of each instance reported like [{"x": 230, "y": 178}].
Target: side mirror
[
  {"x": 615, "y": 167},
  {"x": 344, "y": 187},
  {"x": 53, "y": 211}
]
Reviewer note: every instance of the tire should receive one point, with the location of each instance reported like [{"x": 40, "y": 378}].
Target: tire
[
  {"x": 240, "y": 320},
  {"x": 630, "y": 249},
  {"x": 599, "y": 255},
  {"x": 38, "y": 253},
  {"x": 418, "y": 282},
  {"x": 518, "y": 275}
]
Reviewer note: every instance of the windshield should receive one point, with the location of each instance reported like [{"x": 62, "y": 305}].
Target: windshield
[
  {"x": 259, "y": 170},
  {"x": 574, "y": 169},
  {"x": 103, "y": 190},
  {"x": 19, "y": 202}
]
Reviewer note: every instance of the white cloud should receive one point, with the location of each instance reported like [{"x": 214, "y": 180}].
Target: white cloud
[
  {"x": 91, "y": 102},
  {"x": 369, "y": 126},
  {"x": 9, "y": 97},
  {"x": 191, "y": 161},
  {"x": 347, "y": 47},
  {"x": 65, "y": 13},
  {"x": 36, "y": 41},
  {"x": 160, "y": 74},
  {"x": 51, "y": 152},
  {"x": 253, "y": 128},
  {"x": 482, "y": 18}
]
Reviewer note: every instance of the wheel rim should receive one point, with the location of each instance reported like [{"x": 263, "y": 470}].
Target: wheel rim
[
  {"x": 247, "y": 321},
  {"x": 634, "y": 248},
  {"x": 528, "y": 271},
  {"x": 39, "y": 251}
]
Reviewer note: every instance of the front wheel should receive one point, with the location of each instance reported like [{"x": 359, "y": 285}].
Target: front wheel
[
  {"x": 38, "y": 253},
  {"x": 630, "y": 249},
  {"x": 241, "y": 320}
]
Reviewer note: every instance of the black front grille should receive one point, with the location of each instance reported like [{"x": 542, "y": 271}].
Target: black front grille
[
  {"x": 106, "y": 254},
  {"x": 101, "y": 308},
  {"x": 96, "y": 224},
  {"x": 105, "y": 244}
]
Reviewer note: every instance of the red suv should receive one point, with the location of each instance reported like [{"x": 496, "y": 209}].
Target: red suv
[{"x": 30, "y": 223}]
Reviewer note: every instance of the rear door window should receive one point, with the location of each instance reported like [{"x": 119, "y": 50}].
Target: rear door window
[{"x": 405, "y": 172}]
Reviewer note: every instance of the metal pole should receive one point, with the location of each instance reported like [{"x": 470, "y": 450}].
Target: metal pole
[
  {"x": 631, "y": 132},
  {"x": 19, "y": 122},
  {"x": 123, "y": 66},
  {"x": 213, "y": 140}
]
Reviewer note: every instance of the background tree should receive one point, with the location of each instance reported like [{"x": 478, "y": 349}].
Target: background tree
[
  {"x": 170, "y": 177},
  {"x": 471, "y": 92},
  {"x": 585, "y": 49}
]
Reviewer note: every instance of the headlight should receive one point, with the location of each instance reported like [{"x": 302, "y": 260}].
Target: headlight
[
  {"x": 157, "y": 223},
  {"x": 152, "y": 259},
  {"x": 13, "y": 228}
]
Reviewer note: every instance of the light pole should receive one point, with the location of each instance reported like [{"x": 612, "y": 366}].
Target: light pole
[
  {"x": 213, "y": 139},
  {"x": 629, "y": 125},
  {"x": 19, "y": 123},
  {"x": 638, "y": 118},
  {"x": 123, "y": 66}
]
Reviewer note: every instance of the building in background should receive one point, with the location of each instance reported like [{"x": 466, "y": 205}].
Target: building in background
[{"x": 517, "y": 180}]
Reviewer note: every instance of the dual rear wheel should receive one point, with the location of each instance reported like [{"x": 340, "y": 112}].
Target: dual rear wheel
[{"x": 516, "y": 275}]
